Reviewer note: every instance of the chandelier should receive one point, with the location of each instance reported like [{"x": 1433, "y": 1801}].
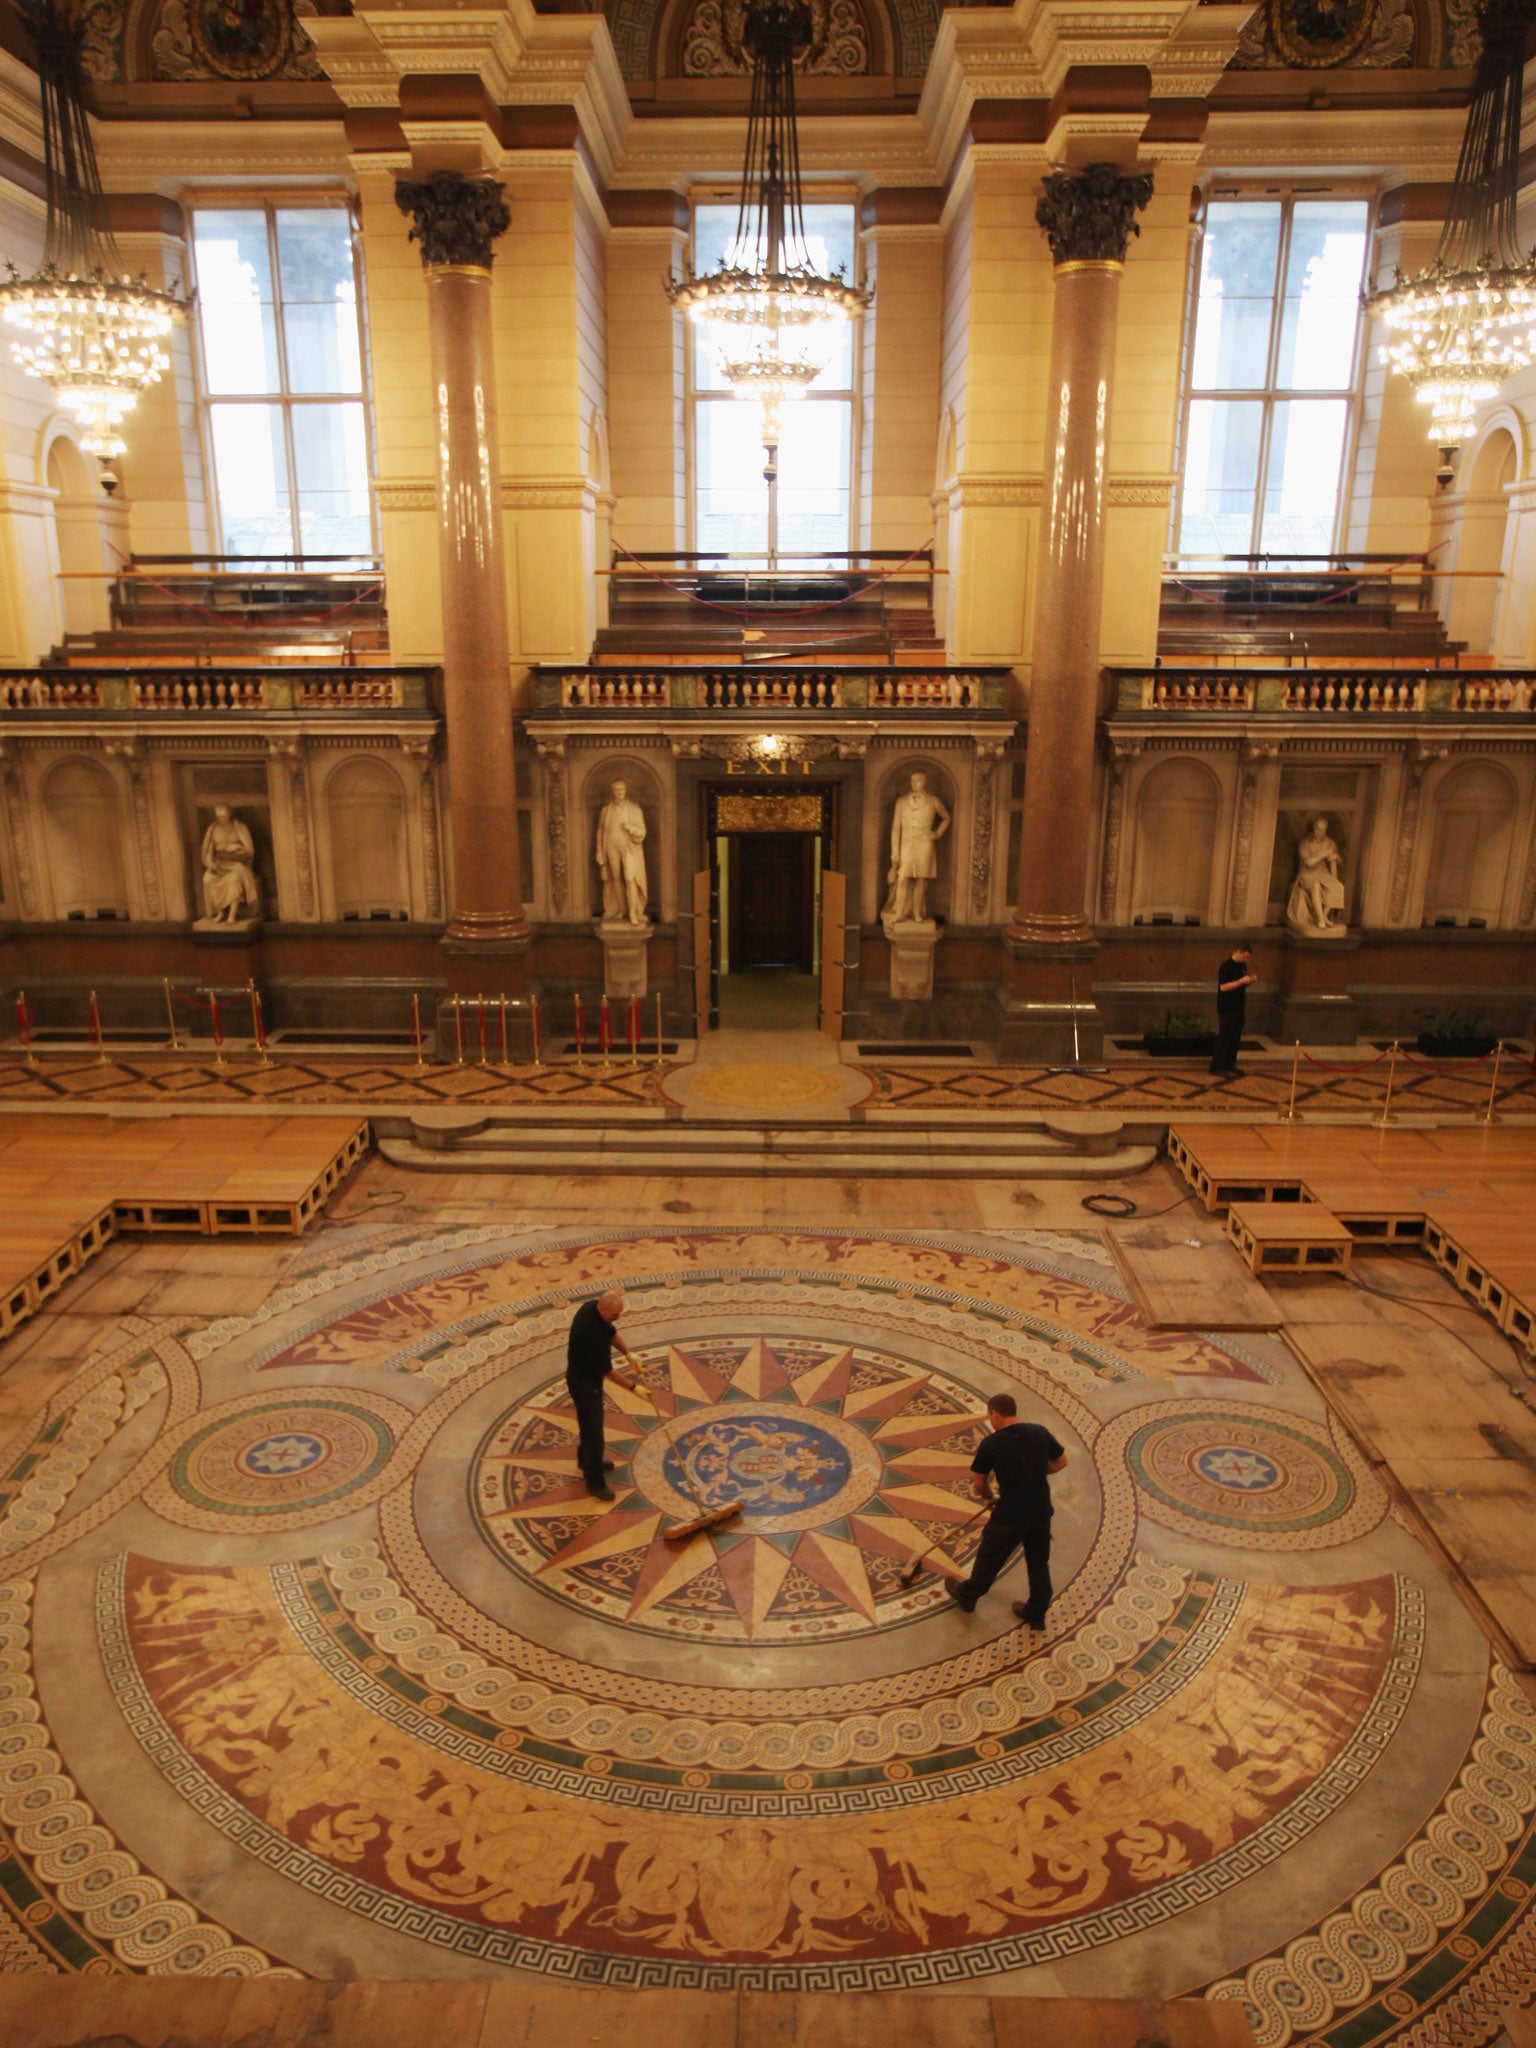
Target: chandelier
[
  {"x": 83, "y": 325},
  {"x": 1462, "y": 325},
  {"x": 768, "y": 320}
]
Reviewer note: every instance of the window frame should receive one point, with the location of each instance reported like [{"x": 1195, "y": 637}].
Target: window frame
[
  {"x": 849, "y": 394},
  {"x": 1269, "y": 394},
  {"x": 269, "y": 203}
]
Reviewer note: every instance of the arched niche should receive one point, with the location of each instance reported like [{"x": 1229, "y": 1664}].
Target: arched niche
[
  {"x": 83, "y": 592},
  {"x": 1476, "y": 591},
  {"x": 83, "y": 828},
  {"x": 893, "y": 786},
  {"x": 1175, "y": 842},
  {"x": 640, "y": 783},
  {"x": 366, "y": 814},
  {"x": 1470, "y": 845}
]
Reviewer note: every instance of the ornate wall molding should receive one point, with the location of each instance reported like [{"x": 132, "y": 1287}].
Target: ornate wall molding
[
  {"x": 837, "y": 44},
  {"x": 1122, "y": 754},
  {"x": 984, "y": 810},
  {"x": 289, "y": 754},
  {"x": 1408, "y": 826},
  {"x": 552, "y": 754},
  {"x": 1140, "y": 490},
  {"x": 456, "y": 219},
  {"x": 406, "y": 494},
  {"x": 1089, "y": 216},
  {"x": 1254, "y": 761},
  {"x": 131, "y": 755},
  {"x": 421, "y": 754},
  {"x": 16, "y": 823}
]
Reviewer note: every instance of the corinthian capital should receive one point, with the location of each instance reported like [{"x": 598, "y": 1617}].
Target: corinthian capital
[
  {"x": 1089, "y": 216},
  {"x": 456, "y": 218}
]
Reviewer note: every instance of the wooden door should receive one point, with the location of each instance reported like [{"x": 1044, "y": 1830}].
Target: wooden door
[
  {"x": 834, "y": 915},
  {"x": 775, "y": 877},
  {"x": 701, "y": 960}
]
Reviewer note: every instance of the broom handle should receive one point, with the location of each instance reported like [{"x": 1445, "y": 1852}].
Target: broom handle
[
  {"x": 933, "y": 1546},
  {"x": 672, "y": 1444}
]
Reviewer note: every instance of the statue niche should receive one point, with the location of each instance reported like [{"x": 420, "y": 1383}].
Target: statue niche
[
  {"x": 620, "y": 856},
  {"x": 1315, "y": 908},
  {"x": 231, "y": 895},
  {"x": 919, "y": 821}
]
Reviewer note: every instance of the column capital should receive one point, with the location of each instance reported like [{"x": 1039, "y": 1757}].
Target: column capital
[
  {"x": 1089, "y": 216},
  {"x": 456, "y": 218}
]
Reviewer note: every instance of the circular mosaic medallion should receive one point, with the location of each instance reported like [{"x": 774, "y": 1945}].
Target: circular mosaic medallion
[
  {"x": 281, "y": 1456},
  {"x": 1249, "y": 1477},
  {"x": 846, "y": 1461}
]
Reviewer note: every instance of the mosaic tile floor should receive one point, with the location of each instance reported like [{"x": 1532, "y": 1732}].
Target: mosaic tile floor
[{"x": 315, "y": 1657}]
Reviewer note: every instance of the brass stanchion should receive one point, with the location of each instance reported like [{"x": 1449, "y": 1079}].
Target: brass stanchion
[
  {"x": 258, "y": 1024},
  {"x": 504, "y": 1060},
  {"x": 1386, "y": 1116},
  {"x": 1288, "y": 1115},
  {"x": 170, "y": 1011},
  {"x": 658, "y": 1028},
  {"x": 458, "y": 1031},
  {"x": 421, "y": 1057},
  {"x": 581, "y": 1039},
  {"x": 24, "y": 1027},
  {"x": 1493, "y": 1092},
  {"x": 537, "y": 1043}
]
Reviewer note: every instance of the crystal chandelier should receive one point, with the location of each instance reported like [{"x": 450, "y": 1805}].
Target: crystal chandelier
[
  {"x": 83, "y": 325},
  {"x": 1464, "y": 324},
  {"x": 769, "y": 321}
]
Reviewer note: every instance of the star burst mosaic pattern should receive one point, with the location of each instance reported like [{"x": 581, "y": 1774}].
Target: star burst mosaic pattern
[{"x": 847, "y": 1462}]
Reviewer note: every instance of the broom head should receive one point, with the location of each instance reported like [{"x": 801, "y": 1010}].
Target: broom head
[{"x": 710, "y": 1519}]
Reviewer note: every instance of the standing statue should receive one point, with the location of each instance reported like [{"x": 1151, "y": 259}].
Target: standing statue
[
  {"x": 1316, "y": 905},
  {"x": 621, "y": 858},
  {"x": 918, "y": 823},
  {"x": 230, "y": 894}
]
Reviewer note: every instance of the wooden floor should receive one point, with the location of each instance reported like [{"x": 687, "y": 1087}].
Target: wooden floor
[
  {"x": 183, "y": 2012},
  {"x": 1468, "y": 1196},
  {"x": 68, "y": 1184},
  {"x": 1453, "y": 1434}
]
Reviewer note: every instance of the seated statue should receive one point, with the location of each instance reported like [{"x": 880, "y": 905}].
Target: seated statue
[
  {"x": 230, "y": 893},
  {"x": 1316, "y": 905}
]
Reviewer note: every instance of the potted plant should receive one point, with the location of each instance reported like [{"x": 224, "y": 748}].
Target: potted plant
[
  {"x": 1181, "y": 1036},
  {"x": 1455, "y": 1035}
]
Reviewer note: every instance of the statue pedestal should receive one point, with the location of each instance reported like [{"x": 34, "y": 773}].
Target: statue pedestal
[
  {"x": 1321, "y": 932},
  {"x": 226, "y": 927},
  {"x": 624, "y": 947},
  {"x": 912, "y": 942}
]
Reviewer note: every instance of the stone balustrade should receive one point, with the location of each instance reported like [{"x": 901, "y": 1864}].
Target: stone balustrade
[
  {"x": 231, "y": 691},
  {"x": 1324, "y": 692},
  {"x": 759, "y": 690}
]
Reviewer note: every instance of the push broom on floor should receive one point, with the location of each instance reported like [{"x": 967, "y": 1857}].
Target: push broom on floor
[
  {"x": 706, "y": 1518},
  {"x": 909, "y": 1575}
]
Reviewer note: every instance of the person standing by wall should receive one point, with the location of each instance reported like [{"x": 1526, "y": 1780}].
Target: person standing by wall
[
  {"x": 1234, "y": 978},
  {"x": 588, "y": 1362},
  {"x": 1020, "y": 1456}
]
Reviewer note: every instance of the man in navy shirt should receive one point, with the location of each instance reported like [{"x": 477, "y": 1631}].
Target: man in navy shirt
[
  {"x": 588, "y": 1362},
  {"x": 1019, "y": 1456},
  {"x": 1234, "y": 978}
]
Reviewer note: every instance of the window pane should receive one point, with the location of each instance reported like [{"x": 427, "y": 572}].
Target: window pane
[
  {"x": 813, "y": 477},
  {"x": 732, "y": 499},
  {"x": 234, "y": 299},
  {"x": 1322, "y": 295},
  {"x": 1221, "y": 476},
  {"x": 314, "y": 255},
  {"x": 1237, "y": 295},
  {"x": 1301, "y": 494},
  {"x": 330, "y": 454},
  {"x": 252, "y": 478}
]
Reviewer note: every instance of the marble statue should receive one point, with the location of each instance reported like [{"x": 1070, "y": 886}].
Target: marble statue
[
  {"x": 1316, "y": 906},
  {"x": 621, "y": 858},
  {"x": 230, "y": 893},
  {"x": 918, "y": 822}
]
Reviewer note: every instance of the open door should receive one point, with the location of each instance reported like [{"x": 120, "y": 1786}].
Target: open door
[
  {"x": 834, "y": 913},
  {"x": 701, "y": 959}
]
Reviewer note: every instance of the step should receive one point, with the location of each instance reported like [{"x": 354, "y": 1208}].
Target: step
[{"x": 663, "y": 1160}]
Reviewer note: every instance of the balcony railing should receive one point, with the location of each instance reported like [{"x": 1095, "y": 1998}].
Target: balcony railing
[
  {"x": 759, "y": 691},
  {"x": 1360, "y": 692},
  {"x": 222, "y": 692}
]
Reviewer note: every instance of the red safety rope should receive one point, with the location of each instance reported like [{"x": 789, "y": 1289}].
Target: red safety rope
[
  {"x": 1446, "y": 1066},
  {"x": 734, "y": 611},
  {"x": 223, "y": 618},
  {"x": 1344, "y": 1066}
]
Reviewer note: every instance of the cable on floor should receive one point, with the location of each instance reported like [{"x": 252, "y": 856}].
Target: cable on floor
[
  {"x": 1121, "y": 1207},
  {"x": 1433, "y": 1311}
]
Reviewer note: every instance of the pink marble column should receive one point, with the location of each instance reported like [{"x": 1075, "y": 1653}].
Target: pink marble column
[
  {"x": 456, "y": 220},
  {"x": 1088, "y": 217}
]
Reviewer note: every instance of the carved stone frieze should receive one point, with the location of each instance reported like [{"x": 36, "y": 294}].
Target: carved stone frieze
[
  {"x": 290, "y": 755},
  {"x": 456, "y": 219},
  {"x": 1408, "y": 826},
  {"x": 837, "y": 44},
  {"x": 131, "y": 755},
  {"x": 1122, "y": 754},
  {"x": 1089, "y": 216},
  {"x": 984, "y": 809},
  {"x": 1254, "y": 758},
  {"x": 16, "y": 824},
  {"x": 552, "y": 754},
  {"x": 1527, "y": 907},
  {"x": 421, "y": 753}
]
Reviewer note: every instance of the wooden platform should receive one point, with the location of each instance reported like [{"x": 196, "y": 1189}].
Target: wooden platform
[
  {"x": 1189, "y": 1280},
  {"x": 221, "y": 2012},
  {"x": 68, "y": 1184},
  {"x": 1289, "y": 1237},
  {"x": 1468, "y": 1196}
]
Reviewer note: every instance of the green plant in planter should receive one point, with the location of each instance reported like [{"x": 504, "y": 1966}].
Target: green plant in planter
[
  {"x": 1179, "y": 1024},
  {"x": 1457, "y": 1025}
]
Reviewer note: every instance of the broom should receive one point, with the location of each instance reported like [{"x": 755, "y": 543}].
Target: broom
[
  {"x": 909, "y": 1576},
  {"x": 706, "y": 1518}
]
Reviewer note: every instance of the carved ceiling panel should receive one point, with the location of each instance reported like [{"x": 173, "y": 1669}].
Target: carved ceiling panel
[
  {"x": 1378, "y": 35},
  {"x": 130, "y": 41}
]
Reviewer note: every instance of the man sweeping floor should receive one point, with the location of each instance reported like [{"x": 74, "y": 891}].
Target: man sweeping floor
[
  {"x": 1020, "y": 1456},
  {"x": 588, "y": 1362}
]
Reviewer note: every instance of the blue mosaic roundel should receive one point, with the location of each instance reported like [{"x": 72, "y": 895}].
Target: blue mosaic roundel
[
  {"x": 1238, "y": 1468},
  {"x": 772, "y": 1464},
  {"x": 276, "y": 1457}
]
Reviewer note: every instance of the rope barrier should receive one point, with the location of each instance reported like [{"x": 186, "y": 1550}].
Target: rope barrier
[
  {"x": 1450, "y": 1066},
  {"x": 1343, "y": 1066},
  {"x": 222, "y": 618},
  {"x": 734, "y": 611}
]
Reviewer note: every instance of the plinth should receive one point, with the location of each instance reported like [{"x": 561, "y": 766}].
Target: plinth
[
  {"x": 624, "y": 947},
  {"x": 913, "y": 941}
]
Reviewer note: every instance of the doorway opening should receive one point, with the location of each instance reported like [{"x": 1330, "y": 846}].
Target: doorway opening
[{"x": 768, "y": 853}]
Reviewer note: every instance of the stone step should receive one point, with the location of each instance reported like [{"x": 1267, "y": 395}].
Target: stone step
[{"x": 742, "y": 1154}]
